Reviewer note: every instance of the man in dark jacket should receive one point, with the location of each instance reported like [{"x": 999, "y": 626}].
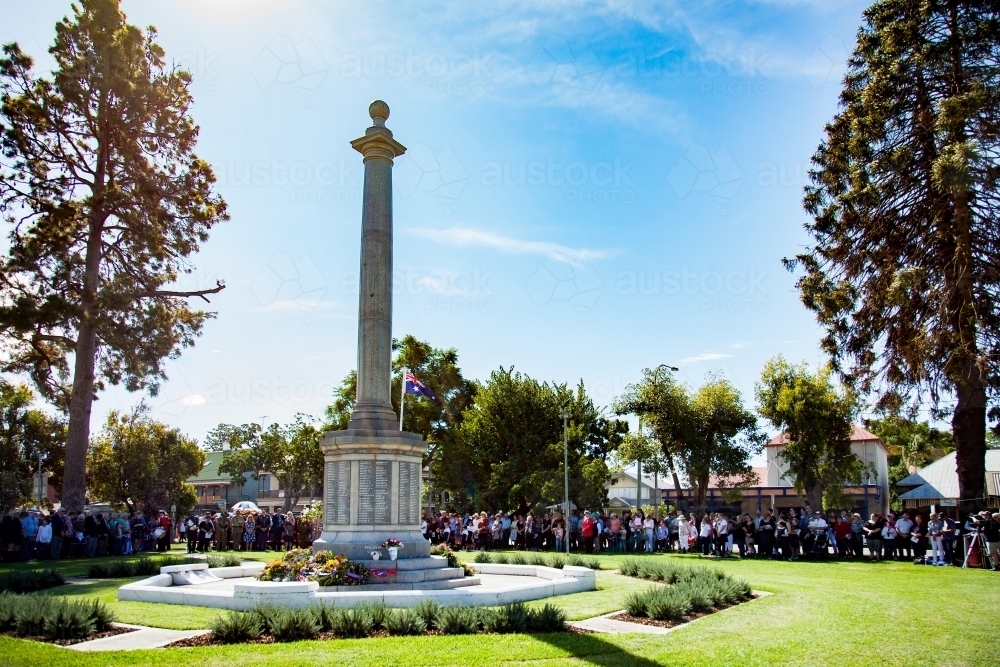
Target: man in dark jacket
[{"x": 91, "y": 531}]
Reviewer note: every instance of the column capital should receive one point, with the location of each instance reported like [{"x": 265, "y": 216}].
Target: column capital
[{"x": 378, "y": 141}]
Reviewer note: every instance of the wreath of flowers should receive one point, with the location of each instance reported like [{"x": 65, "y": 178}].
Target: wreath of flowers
[
  {"x": 323, "y": 567},
  {"x": 392, "y": 542}
]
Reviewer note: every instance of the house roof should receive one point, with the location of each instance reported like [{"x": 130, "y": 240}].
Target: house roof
[
  {"x": 940, "y": 478},
  {"x": 626, "y": 478},
  {"x": 858, "y": 434},
  {"x": 210, "y": 471}
]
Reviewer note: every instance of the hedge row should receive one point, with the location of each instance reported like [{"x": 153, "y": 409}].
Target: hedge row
[
  {"x": 295, "y": 624},
  {"x": 30, "y": 581},
  {"x": 535, "y": 558},
  {"x": 54, "y": 618},
  {"x": 147, "y": 567},
  {"x": 692, "y": 589}
]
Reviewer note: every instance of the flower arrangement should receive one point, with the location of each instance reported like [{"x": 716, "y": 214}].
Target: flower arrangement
[
  {"x": 324, "y": 567},
  {"x": 392, "y": 542},
  {"x": 382, "y": 574}
]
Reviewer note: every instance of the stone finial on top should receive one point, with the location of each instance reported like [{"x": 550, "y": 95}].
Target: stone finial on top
[{"x": 379, "y": 111}]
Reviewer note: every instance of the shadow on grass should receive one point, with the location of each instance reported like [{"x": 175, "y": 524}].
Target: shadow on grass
[{"x": 593, "y": 649}]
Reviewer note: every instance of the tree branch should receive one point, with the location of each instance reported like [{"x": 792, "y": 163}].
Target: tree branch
[{"x": 219, "y": 286}]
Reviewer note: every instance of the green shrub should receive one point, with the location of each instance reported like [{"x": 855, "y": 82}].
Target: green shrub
[
  {"x": 227, "y": 560},
  {"x": 505, "y": 619},
  {"x": 700, "y": 594},
  {"x": 8, "y": 610},
  {"x": 635, "y": 603},
  {"x": 265, "y": 613},
  {"x": 324, "y": 616},
  {"x": 575, "y": 561},
  {"x": 549, "y": 618},
  {"x": 98, "y": 571},
  {"x": 291, "y": 625},
  {"x": 379, "y": 614},
  {"x": 352, "y": 623},
  {"x": 518, "y": 559},
  {"x": 68, "y": 620},
  {"x": 236, "y": 627},
  {"x": 629, "y": 567},
  {"x": 593, "y": 564},
  {"x": 429, "y": 610},
  {"x": 30, "y": 581},
  {"x": 483, "y": 557},
  {"x": 458, "y": 620},
  {"x": 101, "y": 615},
  {"x": 558, "y": 562},
  {"x": 145, "y": 567},
  {"x": 405, "y": 622},
  {"x": 120, "y": 569},
  {"x": 667, "y": 604},
  {"x": 502, "y": 559},
  {"x": 537, "y": 559},
  {"x": 30, "y": 614}
]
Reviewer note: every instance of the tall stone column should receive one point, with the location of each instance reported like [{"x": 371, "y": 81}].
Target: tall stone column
[
  {"x": 373, "y": 408},
  {"x": 372, "y": 482}
]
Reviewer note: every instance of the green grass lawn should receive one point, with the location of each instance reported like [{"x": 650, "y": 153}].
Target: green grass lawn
[{"x": 829, "y": 613}]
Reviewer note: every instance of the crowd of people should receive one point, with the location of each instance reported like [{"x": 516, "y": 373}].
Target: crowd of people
[
  {"x": 33, "y": 535},
  {"x": 787, "y": 535},
  {"x": 247, "y": 530}
]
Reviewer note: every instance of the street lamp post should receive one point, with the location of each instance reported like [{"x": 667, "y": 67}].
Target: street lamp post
[{"x": 564, "y": 413}]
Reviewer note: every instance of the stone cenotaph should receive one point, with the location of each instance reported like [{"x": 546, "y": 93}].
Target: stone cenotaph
[{"x": 373, "y": 469}]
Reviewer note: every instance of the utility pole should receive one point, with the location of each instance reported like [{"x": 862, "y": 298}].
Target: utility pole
[{"x": 564, "y": 413}]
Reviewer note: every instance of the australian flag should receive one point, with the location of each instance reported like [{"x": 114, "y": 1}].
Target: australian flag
[{"x": 415, "y": 386}]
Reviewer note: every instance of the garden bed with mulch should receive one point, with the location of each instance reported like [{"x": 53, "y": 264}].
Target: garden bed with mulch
[
  {"x": 117, "y": 630},
  {"x": 687, "y": 618}
]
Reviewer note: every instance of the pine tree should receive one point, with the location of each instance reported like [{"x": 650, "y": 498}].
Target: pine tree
[
  {"x": 106, "y": 201},
  {"x": 904, "y": 272}
]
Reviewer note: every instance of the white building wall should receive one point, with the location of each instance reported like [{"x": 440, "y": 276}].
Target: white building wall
[{"x": 869, "y": 451}]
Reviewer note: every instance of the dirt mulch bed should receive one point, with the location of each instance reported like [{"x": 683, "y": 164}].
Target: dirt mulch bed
[
  {"x": 207, "y": 639},
  {"x": 117, "y": 630},
  {"x": 645, "y": 620}
]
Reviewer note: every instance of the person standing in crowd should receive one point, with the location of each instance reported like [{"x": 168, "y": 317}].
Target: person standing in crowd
[
  {"x": 842, "y": 534},
  {"x": 949, "y": 540},
  {"x": 29, "y": 531},
  {"x": 166, "y": 525},
  {"x": 873, "y": 533},
  {"x": 781, "y": 537},
  {"x": 889, "y": 538},
  {"x": 649, "y": 528},
  {"x": 766, "y": 534},
  {"x": 191, "y": 532},
  {"x": 205, "y": 533},
  {"x": 91, "y": 531},
  {"x": 794, "y": 530},
  {"x": 58, "y": 534},
  {"x": 249, "y": 532},
  {"x": 43, "y": 539},
  {"x": 738, "y": 534},
  {"x": 263, "y": 528},
  {"x": 934, "y": 528},
  {"x": 237, "y": 524},
  {"x": 904, "y": 528},
  {"x": 705, "y": 537},
  {"x": 918, "y": 539}
]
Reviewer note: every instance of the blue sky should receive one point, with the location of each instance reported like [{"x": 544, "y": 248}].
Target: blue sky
[{"x": 590, "y": 188}]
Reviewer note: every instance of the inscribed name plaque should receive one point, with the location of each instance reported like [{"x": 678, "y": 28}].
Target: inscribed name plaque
[
  {"x": 374, "y": 492},
  {"x": 338, "y": 492},
  {"x": 409, "y": 493}
]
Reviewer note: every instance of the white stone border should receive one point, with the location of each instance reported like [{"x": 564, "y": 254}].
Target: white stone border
[{"x": 245, "y": 595}]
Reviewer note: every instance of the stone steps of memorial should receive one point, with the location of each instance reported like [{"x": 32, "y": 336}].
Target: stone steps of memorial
[
  {"x": 414, "y": 576},
  {"x": 426, "y": 563},
  {"x": 438, "y": 585}
]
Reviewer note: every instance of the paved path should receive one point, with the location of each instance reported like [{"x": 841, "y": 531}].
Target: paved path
[
  {"x": 606, "y": 625},
  {"x": 143, "y": 637}
]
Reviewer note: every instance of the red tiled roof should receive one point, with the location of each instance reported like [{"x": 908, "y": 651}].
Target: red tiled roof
[{"x": 859, "y": 434}]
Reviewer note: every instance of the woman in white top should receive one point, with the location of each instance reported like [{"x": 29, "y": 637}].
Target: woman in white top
[
  {"x": 705, "y": 536},
  {"x": 649, "y": 525},
  {"x": 43, "y": 538},
  {"x": 683, "y": 531}
]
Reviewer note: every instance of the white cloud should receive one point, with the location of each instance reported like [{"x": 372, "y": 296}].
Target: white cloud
[
  {"x": 739, "y": 346},
  {"x": 465, "y": 237},
  {"x": 706, "y": 356}
]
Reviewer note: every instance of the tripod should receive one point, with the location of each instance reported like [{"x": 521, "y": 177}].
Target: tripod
[{"x": 977, "y": 545}]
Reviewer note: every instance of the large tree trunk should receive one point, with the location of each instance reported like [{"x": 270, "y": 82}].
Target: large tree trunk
[
  {"x": 78, "y": 432},
  {"x": 968, "y": 425}
]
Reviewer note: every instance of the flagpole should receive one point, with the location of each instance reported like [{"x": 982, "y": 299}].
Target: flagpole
[{"x": 402, "y": 399}]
